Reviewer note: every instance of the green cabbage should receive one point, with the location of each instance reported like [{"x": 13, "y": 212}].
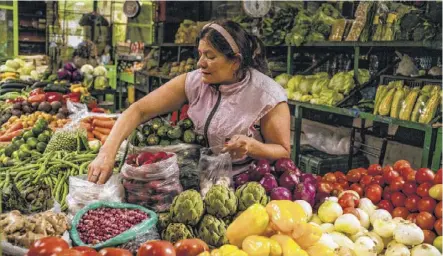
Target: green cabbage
[
  {"x": 363, "y": 75},
  {"x": 342, "y": 82},
  {"x": 321, "y": 75},
  {"x": 4, "y": 68},
  {"x": 297, "y": 96},
  {"x": 294, "y": 82},
  {"x": 100, "y": 83},
  {"x": 100, "y": 71},
  {"x": 319, "y": 85},
  {"x": 12, "y": 64},
  {"x": 87, "y": 69},
  {"x": 306, "y": 98},
  {"x": 305, "y": 85},
  {"x": 20, "y": 62},
  {"x": 283, "y": 79}
]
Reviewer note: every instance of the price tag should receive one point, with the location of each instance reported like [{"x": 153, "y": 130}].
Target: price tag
[{"x": 2, "y": 15}]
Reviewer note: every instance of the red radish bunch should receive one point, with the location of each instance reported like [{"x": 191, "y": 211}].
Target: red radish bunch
[
  {"x": 146, "y": 158},
  {"x": 103, "y": 223}
]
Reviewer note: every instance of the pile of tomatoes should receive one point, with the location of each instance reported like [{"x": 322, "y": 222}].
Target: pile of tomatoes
[
  {"x": 55, "y": 246},
  {"x": 414, "y": 195}
]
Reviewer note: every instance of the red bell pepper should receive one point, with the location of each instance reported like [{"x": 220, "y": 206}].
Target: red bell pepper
[
  {"x": 98, "y": 110},
  {"x": 174, "y": 117},
  {"x": 53, "y": 96},
  {"x": 73, "y": 96},
  {"x": 36, "y": 92},
  {"x": 184, "y": 112}
]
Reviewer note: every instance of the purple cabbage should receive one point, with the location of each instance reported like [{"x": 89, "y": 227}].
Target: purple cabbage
[
  {"x": 70, "y": 66},
  {"x": 259, "y": 169},
  {"x": 285, "y": 164},
  {"x": 241, "y": 179},
  {"x": 289, "y": 180},
  {"x": 281, "y": 193},
  {"x": 268, "y": 182},
  {"x": 63, "y": 74},
  {"x": 305, "y": 191},
  {"x": 308, "y": 178},
  {"x": 77, "y": 76}
]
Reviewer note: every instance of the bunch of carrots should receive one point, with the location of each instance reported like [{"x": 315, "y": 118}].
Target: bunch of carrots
[
  {"x": 13, "y": 131},
  {"x": 98, "y": 127}
]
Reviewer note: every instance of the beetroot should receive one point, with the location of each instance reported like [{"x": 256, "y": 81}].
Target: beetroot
[
  {"x": 284, "y": 164},
  {"x": 288, "y": 180},
  {"x": 281, "y": 193},
  {"x": 305, "y": 191},
  {"x": 241, "y": 179},
  {"x": 268, "y": 182}
]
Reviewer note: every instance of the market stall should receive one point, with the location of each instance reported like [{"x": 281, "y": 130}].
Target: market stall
[{"x": 363, "y": 83}]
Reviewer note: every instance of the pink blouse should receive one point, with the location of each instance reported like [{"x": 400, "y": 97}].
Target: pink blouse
[{"x": 221, "y": 112}]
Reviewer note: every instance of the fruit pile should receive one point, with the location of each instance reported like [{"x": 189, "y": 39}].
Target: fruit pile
[{"x": 413, "y": 195}]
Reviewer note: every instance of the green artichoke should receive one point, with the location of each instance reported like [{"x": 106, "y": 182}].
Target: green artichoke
[
  {"x": 249, "y": 194},
  {"x": 163, "y": 221},
  {"x": 176, "y": 232},
  {"x": 187, "y": 208},
  {"x": 212, "y": 231},
  {"x": 220, "y": 201}
]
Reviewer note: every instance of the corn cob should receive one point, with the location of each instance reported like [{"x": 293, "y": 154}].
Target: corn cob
[
  {"x": 408, "y": 104},
  {"x": 380, "y": 93},
  {"x": 427, "y": 89},
  {"x": 406, "y": 90},
  {"x": 419, "y": 106},
  {"x": 430, "y": 109},
  {"x": 399, "y": 96},
  {"x": 385, "y": 104}
]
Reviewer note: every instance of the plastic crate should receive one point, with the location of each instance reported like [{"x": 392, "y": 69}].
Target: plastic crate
[{"x": 318, "y": 162}]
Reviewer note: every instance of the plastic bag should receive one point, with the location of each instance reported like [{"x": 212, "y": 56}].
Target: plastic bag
[
  {"x": 338, "y": 29},
  {"x": 137, "y": 230},
  {"x": 331, "y": 140},
  {"x": 153, "y": 185},
  {"x": 82, "y": 192},
  {"x": 359, "y": 22},
  {"x": 134, "y": 244},
  {"x": 214, "y": 169}
]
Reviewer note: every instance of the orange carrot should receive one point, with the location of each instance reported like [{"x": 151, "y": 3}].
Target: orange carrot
[
  {"x": 104, "y": 124},
  {"x": 98, "y": 135},
  {"x": 104, "y": 131},
  {"x": 90, "y": 135},
  {"x": 11, "y": 135},
  {"x": 16, "y": 126},
  {"x": 102, "y": 118},
  {"x": 104, "y": 138},
  {"x": 87, "y": 126}
]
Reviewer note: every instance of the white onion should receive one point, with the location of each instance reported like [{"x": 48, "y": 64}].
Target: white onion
[
  {"x": 316, "y": 219},
  {"x": 307, "y": 208},
  {"x": 397, "y": 250},
  {"x": 327, "y": 227},
  {"x": 329, "y": 211},
  {"x": 377, "y": 240},
  {"x": 364, "y": 218},
  {"x": 327, "y": 241},
  {"x": 408, "y": 234},
  {"x": 347, "y": 223},
  {"x": 367, "y": 206},
  {"x": 342, "y": 240},
  {"x": 384, "y": 228},
  {"x": 361, "y": 232},
  {"x": 364, "y": 246},
  {"x": 380, "y": 214},
  {"x": 425, "y": 250}
]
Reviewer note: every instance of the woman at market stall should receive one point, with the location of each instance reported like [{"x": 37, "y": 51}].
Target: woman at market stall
[{"x": 232, "y": 102}]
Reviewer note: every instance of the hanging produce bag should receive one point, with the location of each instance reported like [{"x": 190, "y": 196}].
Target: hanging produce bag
[
  {"x": 128, "y": 235},
  {"x": 214, "y": 169},
  {"x": 151, "y": 179}
]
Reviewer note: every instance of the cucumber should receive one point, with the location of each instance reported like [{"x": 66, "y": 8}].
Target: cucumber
[{"x": 13, "y": 86}]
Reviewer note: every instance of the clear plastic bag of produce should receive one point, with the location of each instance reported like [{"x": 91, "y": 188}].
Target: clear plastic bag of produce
[
  {"x": 82, "y": 192},
  {"x": 214, "y": 169},
  {"x": 134, "y": 245},
  {"x": 132, "y": 233},
  {"x": 151, "y": 179}
]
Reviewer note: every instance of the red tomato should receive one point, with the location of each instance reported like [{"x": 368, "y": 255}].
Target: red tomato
[
  {"x": 411, "y": 203},
  {"x": 397, "y": 184},
  {"x": 373, "y": 192},
  {"x": 378, "y": 179},
  {"x": 357, "y": 188},
  {"x": 160, "y": 248},
  {"x": 387, "y": 193},
  {"x": 412, "y": 217},
  {"x": 400, "y": 212},
  {"x": 429, "y": 236},
  {"x": 190, "y": 247},
  {"x": 404, "y": 172},
  {"x": 398, "y": 199},
  {"x": 438, "y": 210},
  {"x": 348, "y": 200},
  {"x": 352, "y": 211},
  {"x": 401, "y": 164},
  {"x": 423, "y": 189},
  {"x": 385, "y": 204},
  {"x": 425, "y": 220},
  {"x": 114, "y": 252},
  {"x": 343, "y": 183},
  {"x": 426, "y": 204},
  {"x": 48, "y": 246},
  {"x": 389, "y": 174},
  {"x": 325, "y": 187},
  {"x": 330, "y": 177},
  {"x": 365, "y": 180},
  {"x": 87, "y": 251},
  {"x": 375, "y": 169},
  {"x": 340, "y": 176},
  {"x": 353, "y": 175},
  {"x": 424, "y": 175},
  {"x": 336, "y": 189},
  {"x": 438, "y": 177},
  {"x": 69, "y": 252},
  {"x": 362, "y": 171},
  {"x": 411, "y": 176},
  {"x": 409, "y": 188},
  {"x": 438, "y": 227}
]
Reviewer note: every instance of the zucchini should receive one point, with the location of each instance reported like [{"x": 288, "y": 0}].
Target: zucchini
[
  {"x": 13, "y": 85},
  {"x": 408, "y": 104},
  {"x": 419, "y": 106},
  {"x": 6, "y": 90}
]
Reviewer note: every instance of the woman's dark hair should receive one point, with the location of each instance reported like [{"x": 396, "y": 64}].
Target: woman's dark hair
[{"x": 250, "y": 47}]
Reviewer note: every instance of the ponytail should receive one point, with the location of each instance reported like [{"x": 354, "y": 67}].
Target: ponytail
[{"x": 259, "y": 61}]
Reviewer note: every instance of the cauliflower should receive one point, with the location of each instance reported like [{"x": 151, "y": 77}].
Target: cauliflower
[
  {"x": 221, "y": 202},
  {"x": 187, "y": 208},
  {"x": 249, "y": 194},
  {"x": 176, "y": 232},
  {"x": 212, "y": 231}
]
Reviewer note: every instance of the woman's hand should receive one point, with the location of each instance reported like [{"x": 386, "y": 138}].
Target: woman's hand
[
  {"x": 100, "y": 170},
  {"x": 238, "y": 146}
]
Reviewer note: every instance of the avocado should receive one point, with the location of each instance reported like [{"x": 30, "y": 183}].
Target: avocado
[
  {"x": 165, "y": 143},
  {"x": 163, "y": 131},
  {"x": 153, "y": 140},
  {"x": 189, "y": 136},
  {"x": 175, "y": 133}
]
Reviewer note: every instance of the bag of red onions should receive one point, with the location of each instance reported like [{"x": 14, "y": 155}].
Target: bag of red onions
[{"x": 108, "y": 224}]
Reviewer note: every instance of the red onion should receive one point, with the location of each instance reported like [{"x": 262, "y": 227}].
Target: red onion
[
  {"x": 289, "y": 180},
  {"x": 281, "y": 193},
  {"x": 284, "y": 164},
  {"x": 305, "y": 191},
  {"x": 241, "y": 179},
  {"x": 268, "y": 182}
]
